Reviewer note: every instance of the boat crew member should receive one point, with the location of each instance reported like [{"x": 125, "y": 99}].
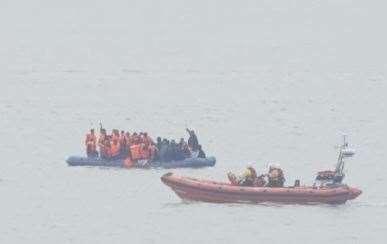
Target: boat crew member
[
  {"x": 275, "y": 176},
  {"x": 249, "y": 176}
]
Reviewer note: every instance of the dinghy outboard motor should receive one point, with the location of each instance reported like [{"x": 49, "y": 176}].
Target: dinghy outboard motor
[{"x": 330, "y": 177}]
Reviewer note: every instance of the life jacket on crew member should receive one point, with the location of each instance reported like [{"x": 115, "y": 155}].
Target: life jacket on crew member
[
  {"x": 135, "y": 151},
  {"x": 276, "y": 177},
  {"x": 248, "y": 177}
]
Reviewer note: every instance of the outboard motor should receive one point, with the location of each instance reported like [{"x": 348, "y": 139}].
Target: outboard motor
[{"x": 330, "y": 177}]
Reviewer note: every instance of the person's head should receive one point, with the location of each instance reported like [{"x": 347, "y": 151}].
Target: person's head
[
  {"x": 274, "y": 166},
  {"x": 145, "y": 134},
  {"x": 135, "y": 134},
  {"x": 181, "y": 140},
  {"x": 173, "y": 142},
  {"x": 200, "y": 147},
  {"x": 122, "y": 132},
  {"x": 92, "y": 131},
  {"x": 158, "y": 139}
]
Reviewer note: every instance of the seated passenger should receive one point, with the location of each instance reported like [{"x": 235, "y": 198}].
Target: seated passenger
[
  {"x": 172, "y": 150},
  {"x": 184, "y": 149},
  {"x": 201, "y": 152},
  {"x": 163, "y": 152},
  {"x": 275, "y": 177}
]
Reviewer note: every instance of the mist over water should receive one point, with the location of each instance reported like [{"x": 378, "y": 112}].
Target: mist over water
[{"x": 260, "y": 81}]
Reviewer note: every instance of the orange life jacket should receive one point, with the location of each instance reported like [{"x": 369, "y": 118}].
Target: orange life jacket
[
  {"x": 91, "y": 143},
  {"x": 115, "y": 137},
  {"x": 135, "y": 151},
  {"x": 106, "y": 148},
  {"x": 115, "y": 149},
  {"x": 145, "y": 152},
  {"x": 107, "y": 152},
  {"x": 123, "y": 140},
  {"x": 128, "y": 163},
  {"x": 101, "y": 141}
]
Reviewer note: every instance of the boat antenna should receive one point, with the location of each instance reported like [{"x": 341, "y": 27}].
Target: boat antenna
[{"x": 345, "y": 152}]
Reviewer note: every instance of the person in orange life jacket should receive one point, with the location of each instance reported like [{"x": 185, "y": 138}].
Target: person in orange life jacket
[
  {"x": 135, "y": 138},
  {"x": 147, "y": 139},
  {"x": 115, "y": 149},
  {"x": 144, "y": 151},
  {"x": 106, "y": 152},
  {"x": 123, "y": 143},
  {"x": 129, "y": 139},
  {"x": 135, "y": 151},
  {"x": 101, "y": 141},
  {"x": 115, "y": 134},
  {"x": 91, "y": 144},
  {"x": 141, "y": 137}
]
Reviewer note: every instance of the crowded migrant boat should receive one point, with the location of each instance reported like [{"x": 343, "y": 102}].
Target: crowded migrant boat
[{"x": 140, "y": 147}]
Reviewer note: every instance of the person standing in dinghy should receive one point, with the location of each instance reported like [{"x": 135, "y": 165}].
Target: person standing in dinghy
[
  {"x": 91, "y": 144},
  {"x": 193, "y": 143}
]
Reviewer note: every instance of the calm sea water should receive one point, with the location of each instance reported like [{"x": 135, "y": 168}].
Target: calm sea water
[{"x": 260, "y": 81}]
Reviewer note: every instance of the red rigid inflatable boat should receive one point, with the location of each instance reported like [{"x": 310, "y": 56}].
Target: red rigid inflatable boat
[
  {"x": 328, "y": 188},
  {"x": 221, "y": 192}
]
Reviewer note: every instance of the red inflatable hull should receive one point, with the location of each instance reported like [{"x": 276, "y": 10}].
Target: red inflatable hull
[{"x": 218, "y": 192}]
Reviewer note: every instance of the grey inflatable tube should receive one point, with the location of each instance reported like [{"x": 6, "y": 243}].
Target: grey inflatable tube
[{"x": 186, "y": 163}]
